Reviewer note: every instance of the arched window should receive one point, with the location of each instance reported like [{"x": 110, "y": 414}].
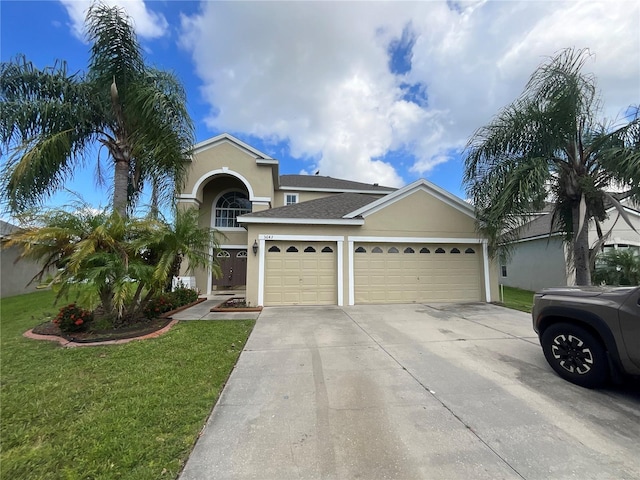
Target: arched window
[
  {"x": 361, "y": 250},
  {"x": 425, "y": 250},
  {"x": 327, "y": 250},
  {"x": 229, "y": 206},
  {"x": 409, "y": 250},
  {"x": 310, "y": 249},
  {"x": 454, "y": 250},
  {"x": 274, "y": 249},
  {"x": 440, "y": 250},
  {"x": 469, "y": 250},
  {"x": 393, "y": 250}
]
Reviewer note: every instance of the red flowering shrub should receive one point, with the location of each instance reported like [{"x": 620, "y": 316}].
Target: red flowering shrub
[
  {"x": 72, "y": 318},
  {"x": 159, "y": 305}
]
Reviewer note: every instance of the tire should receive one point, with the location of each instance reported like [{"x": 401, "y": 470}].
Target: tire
[{"x": 576, "y": 355}]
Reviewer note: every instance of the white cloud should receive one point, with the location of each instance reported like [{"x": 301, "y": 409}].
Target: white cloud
[
  {"x": 148, "y": 24},
  {"x": 317, "y": 73}
]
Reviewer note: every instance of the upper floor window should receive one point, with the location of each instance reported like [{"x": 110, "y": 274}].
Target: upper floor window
[
  {"x": 290, "y": 198},
  {"x": 229, "y": 206}
]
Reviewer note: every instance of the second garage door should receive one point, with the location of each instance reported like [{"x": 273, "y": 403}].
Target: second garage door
[
  {"x": 300, "y": 273},
  {"x": 397, "y": 273}
]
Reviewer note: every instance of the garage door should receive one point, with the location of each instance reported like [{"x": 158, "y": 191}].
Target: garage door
[
  {"x": 397, "y": 273},
  {"x": 300, "y": 273}
]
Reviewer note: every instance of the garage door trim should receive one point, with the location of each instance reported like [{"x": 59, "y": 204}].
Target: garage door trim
[
  {"x": 427, "y": 240},
  {"x": 264, "y": 237}
]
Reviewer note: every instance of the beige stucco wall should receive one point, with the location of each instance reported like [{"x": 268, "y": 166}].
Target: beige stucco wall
[
  {"x": 303, "y": 196},
  {"x": 237, "y": 161},
  {"x": 420, "y": 214}
]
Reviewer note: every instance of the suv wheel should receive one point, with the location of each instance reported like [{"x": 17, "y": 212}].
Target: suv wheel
[{"x": 575, "y": 354}]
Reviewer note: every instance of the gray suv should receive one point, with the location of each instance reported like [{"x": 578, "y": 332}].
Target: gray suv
[{"x": 589, "y": 334}]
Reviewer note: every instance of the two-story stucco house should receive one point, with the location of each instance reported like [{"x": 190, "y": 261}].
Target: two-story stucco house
[{"x": 316, "y": 240}]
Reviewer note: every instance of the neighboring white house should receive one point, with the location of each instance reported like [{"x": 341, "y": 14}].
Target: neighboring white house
[
  {"x": 541, "y": 259},
  {"x": 15, "y": 276}
]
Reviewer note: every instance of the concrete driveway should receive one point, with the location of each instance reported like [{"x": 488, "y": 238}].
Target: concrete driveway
[{"x": 410, "y": 392}]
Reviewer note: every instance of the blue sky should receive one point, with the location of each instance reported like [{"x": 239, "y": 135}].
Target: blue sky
[{"x": 369, "y": 91}]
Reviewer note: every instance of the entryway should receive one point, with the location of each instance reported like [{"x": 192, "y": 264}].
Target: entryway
[{"x": 233, "y": 263}]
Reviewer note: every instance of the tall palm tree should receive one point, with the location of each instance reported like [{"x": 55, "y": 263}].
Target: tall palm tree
[
  {"x": 52, "y": 120},
  {"x": 550, "y": 143}
]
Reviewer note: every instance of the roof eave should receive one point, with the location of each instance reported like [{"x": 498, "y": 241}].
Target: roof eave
[{"x": 301, "y": 221}]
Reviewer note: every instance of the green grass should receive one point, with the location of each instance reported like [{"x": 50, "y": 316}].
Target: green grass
[
  {"x": 518, "y": 299},
  {"x": 124, "y": 411}
]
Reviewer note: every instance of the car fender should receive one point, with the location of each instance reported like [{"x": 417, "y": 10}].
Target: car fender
[{"x": 553, "y": 314}]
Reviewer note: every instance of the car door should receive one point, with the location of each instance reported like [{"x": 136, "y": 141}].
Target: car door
[{"x": 629, "y": 315}]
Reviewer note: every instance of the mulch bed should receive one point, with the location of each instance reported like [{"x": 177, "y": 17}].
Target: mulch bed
[
  {"x": 131, "y": 331},
  {"x": 236, "y": 304},
  {"x": 139, "y": 329}
]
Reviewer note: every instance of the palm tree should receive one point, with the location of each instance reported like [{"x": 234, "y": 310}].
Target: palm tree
[
  {"x": 618, "y": 267},
  {"x": 52, "y": 120},
  {"x": 549, "y": 143},
  {"x": 124, "y": 261}
]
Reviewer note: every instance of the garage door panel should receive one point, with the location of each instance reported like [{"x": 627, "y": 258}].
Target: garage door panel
[
  {"x": 302, "y": 275},
  {"x": 416, "y": 277}
]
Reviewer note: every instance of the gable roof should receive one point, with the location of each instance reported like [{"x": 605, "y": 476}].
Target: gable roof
[
  {"x": 418, "y": 185},
  {"x": 226, "y": 138},
  {"x": 329, "y": 184},
  {"x": 332, "y": 209}
]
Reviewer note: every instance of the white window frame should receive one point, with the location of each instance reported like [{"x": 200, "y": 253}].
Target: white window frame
[
  {"x": 214, "y": 206},
  {"x": 296, "y": 196}
]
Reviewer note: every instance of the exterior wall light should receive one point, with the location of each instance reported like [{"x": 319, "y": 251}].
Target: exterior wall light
[{"x": 255, "y": 247}]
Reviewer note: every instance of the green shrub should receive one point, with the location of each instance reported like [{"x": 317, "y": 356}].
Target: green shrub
[
  {"x": 157, "y": 306},
  {"x": 72, "y": 318},
  {"x": 183, "y": 296},
  {"x": 617, "y": 267}
]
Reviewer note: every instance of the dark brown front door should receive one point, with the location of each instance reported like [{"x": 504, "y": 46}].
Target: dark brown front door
[{"x": 233, "y": 264}]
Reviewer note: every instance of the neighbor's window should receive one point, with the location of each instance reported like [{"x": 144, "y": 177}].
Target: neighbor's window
[
  {"x": 290, "y": 198},
  {"x": 503, "y": 270},
  {"x": 229, "y": 206}
]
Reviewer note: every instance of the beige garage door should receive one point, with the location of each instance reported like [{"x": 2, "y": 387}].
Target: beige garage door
[
  {"x": 398, "y": 273},
  {"x": 300, "y": 273}
]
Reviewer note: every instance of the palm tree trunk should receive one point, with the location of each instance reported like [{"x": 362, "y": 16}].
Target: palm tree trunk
[
  {"x": 580, "y": 248},
  {"x": 121, "y": 187}
]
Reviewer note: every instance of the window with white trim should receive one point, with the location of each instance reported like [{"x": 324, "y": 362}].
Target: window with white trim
[
  {"x": 290, "y": 198},
  {"x": 229, "y": 207}
]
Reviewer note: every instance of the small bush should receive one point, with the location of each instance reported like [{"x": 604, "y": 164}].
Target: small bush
[
  {"x": 159, "y": 305},
  {"x": 72, "y": 318},
  {"x": 182, "y": 296}
]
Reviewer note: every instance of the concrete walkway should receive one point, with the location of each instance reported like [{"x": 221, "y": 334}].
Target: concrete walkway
[
  {"x": 409, "y": 392},
  {"x": 202, "y": 311}
]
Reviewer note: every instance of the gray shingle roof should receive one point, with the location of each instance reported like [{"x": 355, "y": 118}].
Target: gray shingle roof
[
  {"x": 539, "y": 226},
  {"x": 332, "y": 207},
  {"x": 316, "y": 181}
]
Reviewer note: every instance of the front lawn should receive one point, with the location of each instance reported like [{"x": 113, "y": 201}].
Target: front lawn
[
  {"x": 124, "y": 411},
  {"x": 518, "y": 299}
]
